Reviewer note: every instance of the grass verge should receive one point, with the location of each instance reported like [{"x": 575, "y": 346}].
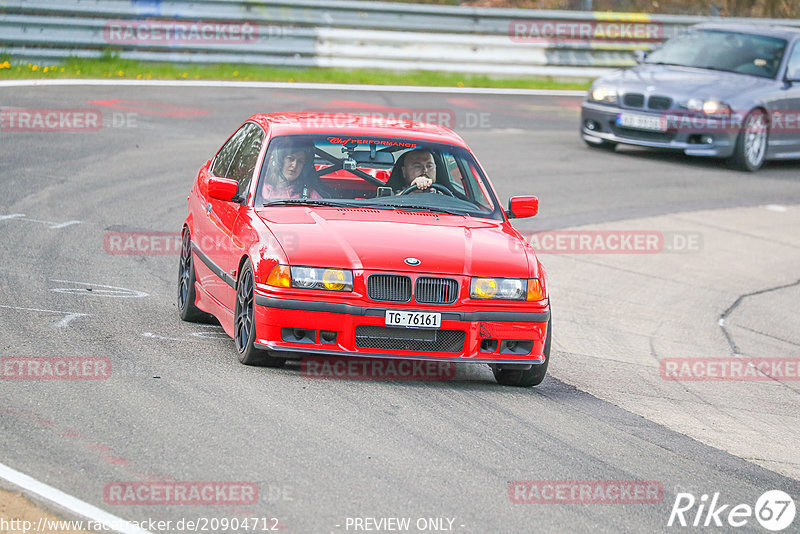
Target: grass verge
[{"x": 115, "y": 67}]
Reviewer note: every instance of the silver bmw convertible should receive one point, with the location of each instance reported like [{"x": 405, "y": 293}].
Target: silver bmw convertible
[{"x": 717, "y": 90}]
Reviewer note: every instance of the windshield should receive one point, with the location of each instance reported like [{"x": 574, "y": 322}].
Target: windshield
[
  {"x": 374, "y": 172},
  {"x": 744, "y": 53}
]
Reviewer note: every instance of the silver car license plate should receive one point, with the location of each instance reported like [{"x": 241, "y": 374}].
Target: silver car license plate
[{"x": 637, "y": 121}]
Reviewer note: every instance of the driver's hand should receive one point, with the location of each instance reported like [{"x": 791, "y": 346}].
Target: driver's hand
[{"x": 422, "y": 182}]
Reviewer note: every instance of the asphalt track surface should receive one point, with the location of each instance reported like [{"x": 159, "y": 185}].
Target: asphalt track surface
[{"x": 180, "y": 407}]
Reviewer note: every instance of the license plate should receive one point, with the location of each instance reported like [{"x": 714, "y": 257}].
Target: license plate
[
  {"x": 411, "y": 319},
  {"x": 642, "y": 122}
]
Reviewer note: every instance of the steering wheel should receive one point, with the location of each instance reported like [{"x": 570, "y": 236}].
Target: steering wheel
[{"x": 437, "y": 187}]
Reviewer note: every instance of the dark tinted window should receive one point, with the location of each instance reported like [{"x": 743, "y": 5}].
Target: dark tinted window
[
  {"x": 225, "y": 155},
  {"x": 244, "y": 161}
]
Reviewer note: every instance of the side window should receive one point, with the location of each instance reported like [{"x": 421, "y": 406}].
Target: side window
[
  {"x": 456, "y": 180},
  {"x": 793, "y": 70},
  {"x": 244, "y": 162},
  {"x": 225, "y": 155}
]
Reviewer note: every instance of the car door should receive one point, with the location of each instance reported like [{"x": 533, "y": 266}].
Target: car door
[
  {"x": 220, "y": 247},
  {"x": 790, "y": 105}
]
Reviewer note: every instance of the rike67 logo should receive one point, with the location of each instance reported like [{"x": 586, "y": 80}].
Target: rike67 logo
[{"x": 774, "y": 511}]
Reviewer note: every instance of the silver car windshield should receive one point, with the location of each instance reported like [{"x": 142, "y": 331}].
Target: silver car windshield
[{"x": 744, "y": 53}]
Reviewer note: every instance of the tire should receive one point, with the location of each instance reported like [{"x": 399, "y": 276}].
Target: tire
[
  {"x": 602, "y": 145},
  {"x": 244, "y": 327},
  {"x": 751, "y": 143},
  {"x": 186, "y": 280},
  {"x": 526, "y": 377}
]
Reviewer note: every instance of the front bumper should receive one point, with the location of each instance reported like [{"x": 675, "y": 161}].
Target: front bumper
[
  {"x": 684, "y": 133},
  {"x": 492, "y": 337}
]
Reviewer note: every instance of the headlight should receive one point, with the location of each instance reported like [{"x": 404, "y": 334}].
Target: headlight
[
  {"x": 319, "y": 278},
  {"x": 506, "y": 289},
  {"x": 311, "y": 278},
  {"x": 607, "y": 95},
  {"x": 711, "y": 106}
]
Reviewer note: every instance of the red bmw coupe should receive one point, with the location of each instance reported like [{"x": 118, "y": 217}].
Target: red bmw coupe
[{"x": 343, "y": 235}]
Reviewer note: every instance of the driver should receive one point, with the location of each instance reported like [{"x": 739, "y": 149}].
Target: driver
[{"x": 418, "y": 169}]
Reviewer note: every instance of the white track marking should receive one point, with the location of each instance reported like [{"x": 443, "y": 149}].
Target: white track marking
[
  {"x": 54, "y": 225},
  {"x": 156, "y": 336},
  {"x": 63, "y": 323},
  {"x": 295, "y": 86},
  {"x": 776, "y": 207},
  {"x": 69, "y": 502},
  {"x": 108, "y": 291},
  {"x": 65, "y": 224}
]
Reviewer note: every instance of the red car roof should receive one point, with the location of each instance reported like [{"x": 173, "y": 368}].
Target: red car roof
[{"x": 343, "y": 124}]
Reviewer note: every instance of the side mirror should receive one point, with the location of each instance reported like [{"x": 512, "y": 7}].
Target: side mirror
[
  {"x": 793, "y": 76},
  {"x": 222, "y": 188},
  {"x": 522, "y": 206},
  {"x": 640, "y": 55}
]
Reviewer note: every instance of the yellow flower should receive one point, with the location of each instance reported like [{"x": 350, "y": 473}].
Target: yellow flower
[
  {"x": 79, "y": 71},
  {"x": 45, "y": 69},
  {"x": 62, "y": 69},
  {"x": 291, "y": 80},
  {"x": 185, "y": 74},
  {"x": 460, "y": 84},
  {"x": 148, "y": 76},
  {"x": 138, "y": 76},
  {"x": 120, "y": 73},
  {"x": 35, "y": 67}
]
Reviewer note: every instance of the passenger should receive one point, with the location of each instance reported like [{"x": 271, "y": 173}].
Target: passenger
[{"x": 291, "y": 173}]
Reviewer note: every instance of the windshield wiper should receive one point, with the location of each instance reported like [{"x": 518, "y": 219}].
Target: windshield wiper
[
  {"x": 302, "y": 202},
  {"x": 665, "y": 63},
  {"x": 711, "y": 67},
  {"x": 404, "y": 207}
]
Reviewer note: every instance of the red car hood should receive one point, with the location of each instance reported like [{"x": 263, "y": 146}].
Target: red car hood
[{"x": 380, "y": 240}]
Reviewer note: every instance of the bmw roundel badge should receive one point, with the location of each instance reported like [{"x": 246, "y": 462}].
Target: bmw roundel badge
[{"x": 412, "y": 261}]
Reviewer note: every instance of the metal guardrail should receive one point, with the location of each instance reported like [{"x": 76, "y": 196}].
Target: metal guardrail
[{"x": 350, "y": 34}]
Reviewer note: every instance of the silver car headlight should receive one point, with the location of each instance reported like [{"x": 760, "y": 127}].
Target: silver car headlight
[
  {"x": 709, "y": 106},
  {"x": 603, "y": 94}
]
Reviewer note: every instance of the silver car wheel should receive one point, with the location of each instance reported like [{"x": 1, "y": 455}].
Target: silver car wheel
[{"x": 755, "y": 141}]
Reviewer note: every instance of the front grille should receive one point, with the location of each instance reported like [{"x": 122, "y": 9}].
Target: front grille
[
  {"x": 435, "y": 290},
  {"x": 634, "y": 100},
  {"x": 659, "y": 102},
  {"x": 389, "y": 287},
  {"x": 409, "y": 339}
]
